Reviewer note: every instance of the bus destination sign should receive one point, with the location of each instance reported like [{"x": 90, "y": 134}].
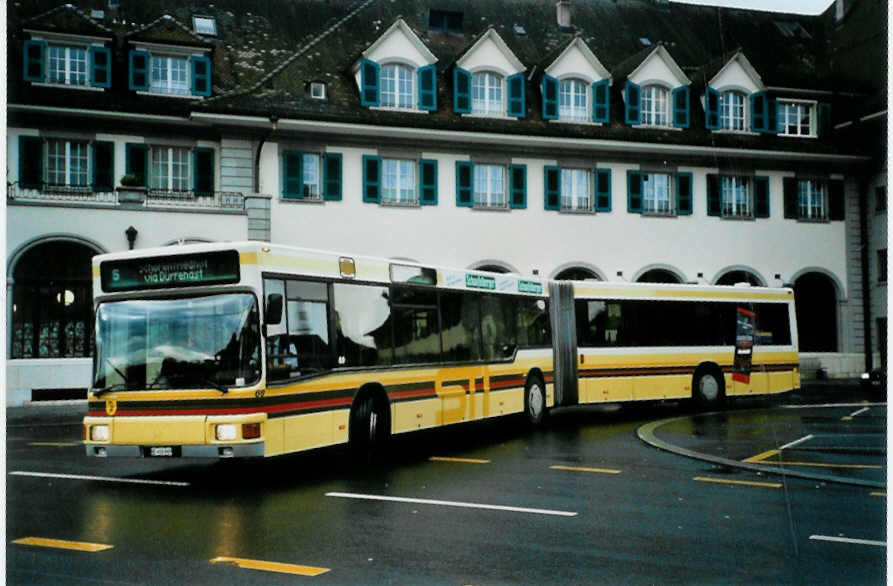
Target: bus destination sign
[
  {"x": 182, "y": 270},
  {"x": 480, "y": 282},
  {"x": 530, "y": 287}
]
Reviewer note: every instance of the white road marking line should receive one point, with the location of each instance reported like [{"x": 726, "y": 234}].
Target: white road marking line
[
  {"x": 833, "y": 405},
  {"x": 374, "y": 497},
  {"x": 859, "y": 412},
  {"x": 99, "y": 478},
  {"x": 848, "y": 540},
  {"x": 797, "y": 442}
]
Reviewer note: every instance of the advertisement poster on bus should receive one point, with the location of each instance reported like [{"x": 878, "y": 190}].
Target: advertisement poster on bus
[{"x": 744, "y": 329}]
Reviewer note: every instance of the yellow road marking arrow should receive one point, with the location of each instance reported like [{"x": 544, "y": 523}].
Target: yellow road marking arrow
[
  {"x": 271, "y": 566},
  {"x": 742, "y": 482},
  {"x": 581, "y": 469},
  {"x": 460, "y": 460},
  {"x": 63, "y": 544}
]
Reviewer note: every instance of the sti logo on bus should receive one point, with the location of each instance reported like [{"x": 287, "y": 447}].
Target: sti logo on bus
[
  {"x": 183, "y": 270},
  {"x": 480, "y": 282},
  {"x": 530, "y": 287}
]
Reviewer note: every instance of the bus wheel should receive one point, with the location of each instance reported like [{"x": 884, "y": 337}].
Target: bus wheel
[
  {"x": 369, "y": 429},
  {"x": 708, "y": 387},
  {"x": 535, "y": 400}
]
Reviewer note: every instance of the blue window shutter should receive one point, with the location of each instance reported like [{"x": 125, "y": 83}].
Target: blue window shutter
[
  {"x": 518, "y": 186},
  {"x": 461, "y": 91},
  {"x": 550, "y": 97},
  {"x": 371, "y": 179},
  {"x": 428, "y": 182},
  {"x": 761, "y": 197},
  {"x": 139, "y": 70},
  {"x": 823, "y": 125},
  {"x": 711, "y": 108},
  {"x": 103, "y": 166},
  {"x": 201, "y": 76},
  {"x": 552, "y": 187},
  {"x": 100, "y": 67},
  {"x": 601, "y": 101},
  {"x": 603, "y": 190},
  {"x": 836, "y": 200},
  {"x": 427, "y": 88},
  {"x": 331, "y": 170},
  {"x": 634, "y": 192},
  {"x": 714, "y": 207},
  {"x": 34, "y": 60},
  {"x": 292, "y": 175},
  {"x": 681, "y": 107},
  {"x": 772, "y": 117},
  {"x": 463, "y": 184},
  {"x": 369, "y": 76},
  {"x": 203, "y": 171},
  {"x": 759, "y": 106},
  {"x": 517, "y": 103},
  {"x": 633, "y": 103},
  {"x": 790, "y": 197},
  {"x": 137, "y": 161},
  {"x": 30, "y": 162},
  {"x": 683, "y": 194}
]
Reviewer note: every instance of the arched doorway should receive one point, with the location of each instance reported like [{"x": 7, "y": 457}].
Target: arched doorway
[
  {"x": 491, "y": 268},
  {"x": 576, "y": 274},
  {"x": 739, "y": 276},
  {"x": 816, "y": 298},
  {"x": 52, "y": 301},
  {"x": 658, "y": 276}
]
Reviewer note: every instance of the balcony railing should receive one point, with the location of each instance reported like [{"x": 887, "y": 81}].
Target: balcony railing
[{"x": 154, "y": 198}]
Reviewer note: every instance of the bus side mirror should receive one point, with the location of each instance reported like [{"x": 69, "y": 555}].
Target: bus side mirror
[{"x": 273, "y": 312}]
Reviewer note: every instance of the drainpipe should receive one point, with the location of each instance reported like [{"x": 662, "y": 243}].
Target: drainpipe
[
  {"x": 864, "y": 259},
  {"x": 273, "y": 120}
]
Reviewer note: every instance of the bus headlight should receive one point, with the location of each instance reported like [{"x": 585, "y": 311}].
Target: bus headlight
[
  {"x": 225, "y": 433},
  {"x": 99, "y": 433}
]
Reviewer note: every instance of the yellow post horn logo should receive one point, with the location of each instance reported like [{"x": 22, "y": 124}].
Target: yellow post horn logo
[{"x": 111, "y": 406}]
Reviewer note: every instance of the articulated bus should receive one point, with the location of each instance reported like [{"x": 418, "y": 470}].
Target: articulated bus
[{"x": 249, "y": 349}]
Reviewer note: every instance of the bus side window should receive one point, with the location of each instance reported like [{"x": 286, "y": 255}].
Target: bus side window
[
  {"x": 280, "y": 359},
  {"x": 461, "y": 326},
  {"x": 308, "y": 325},
  {"x": 534, "y": 329},
  {"x": 363, "y": 325},
  {"x": 498, "y": 326}
]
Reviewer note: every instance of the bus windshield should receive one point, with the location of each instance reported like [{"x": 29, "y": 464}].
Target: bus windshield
[{"x": 209, "y": 341}]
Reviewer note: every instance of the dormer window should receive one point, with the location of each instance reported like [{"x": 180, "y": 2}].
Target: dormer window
[
  {"x": 489, "y": 80},
  {"x": 657, "y": 92},
  {"x": 795, "y": 118},
  {"x": 731, "y": 106},
  {"x": 67, "y": 64},
  {"x": 655, "y": 111},
  {"x": 572, "y": 100},
  {"x": 318, "y": 90},
  {"x": 176, "y": 72},
  {"x": 486, "y": 94},
  {"x": 169, "y": 75},
  {"x": 396, "y": 86}
]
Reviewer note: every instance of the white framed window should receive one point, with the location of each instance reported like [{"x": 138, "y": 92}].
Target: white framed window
[
  {"x": 310, "y": 171},
  {"x": 656, "y": 193},
  {"x": 398, "y": 181},
  {"x": 66, "y": 65},
  {"x": 318, "y": 90},
  {"x": 576, "y": 190},
  {"x": 67, "y": 163},
  {"x": 655, "y": 106},
  {"x": 735, "y": 197},
  {"x": 812, "y": 199},
  {"x": 487, "y": 94},
  {"x": 489, "y": 186},
  {"x": 396, "y": 86},
  {"x": 795, "y": 118},
  {"x": 169, "y": 168},
  {"x": 169, "y": 75},
  {"x": 732, "y": 111},
  {"x": 572, "y": 100}
]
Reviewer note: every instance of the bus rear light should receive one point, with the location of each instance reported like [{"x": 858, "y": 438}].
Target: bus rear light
[
  {"x": 225, "y": 432},
  {"x": 99, "y": 433},
  {"x": 250, "y": 430}
]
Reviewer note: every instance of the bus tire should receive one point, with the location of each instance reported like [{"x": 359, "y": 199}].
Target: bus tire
[
  {"x": 370, "y": 427},
  {"x": 535, "y": 409},
  {"x": 708, "y": 387}
]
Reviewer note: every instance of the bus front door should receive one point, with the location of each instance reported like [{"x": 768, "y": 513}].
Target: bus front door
[{"x": 564, "y": 343}]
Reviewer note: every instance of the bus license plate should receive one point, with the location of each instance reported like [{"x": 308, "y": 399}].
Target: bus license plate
[{"x": 161, "y": 452}]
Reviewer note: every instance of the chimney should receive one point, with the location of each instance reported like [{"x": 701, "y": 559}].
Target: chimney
[{"x": 563, "y": 13}]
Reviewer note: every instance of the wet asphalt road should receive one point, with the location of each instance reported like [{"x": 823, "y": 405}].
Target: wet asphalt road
[{"x": 584, "y": 501}]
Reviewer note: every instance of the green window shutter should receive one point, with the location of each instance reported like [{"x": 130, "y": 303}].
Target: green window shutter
[
  {"x": 331, "y": 170},
  {"x": 823, "y": 124},
  {"x": 603, "y": 190},
  {"x": 428, "y": 182},
  {"x": 139, "y": 70},
  {"x": 369, "y": 74},
  {"x": 761, "y": 197},
  {"x": 633, "y": 103},
  {"x": 681, "y": 107},
  {"x": 550, "y": 97},
  {"x": 836, "y": 200},
  {"x": 711, "y": 108},
  {"x": 634, "y": 192},
  {"x": 427, "y": 88},
  {"x": 137, "y": 161},
  {"x": 201, "y": 76},
  {"x": 463, "y": 184},
  {"x": 790, "y": 198},
  {"x": 759, "y": 119},
  {"x": 683, "y": 194},
  {"x": 461, "y": 91},
  {"x": 714, "y": 207},
  {"x": 772, "y": 117},
  {"x": 517, "y": 105},
  {"x": 34, "y": 60},
  {"x": 601, "y": 101},
  {"x": 100, "y": 67},
  {"x": 103, "y": 166},
  {"x": 518, "y": 186},
  {"x": 292, "y": 175},
  {"x": 30, "y": 162},
  {"x": 203, "y": 171},
  {"x": 552, "y": 187},
  {"x": 371, "y": 179}
]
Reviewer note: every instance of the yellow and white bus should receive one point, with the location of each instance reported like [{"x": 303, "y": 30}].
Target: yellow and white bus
[{"x": 250, "y": 349}]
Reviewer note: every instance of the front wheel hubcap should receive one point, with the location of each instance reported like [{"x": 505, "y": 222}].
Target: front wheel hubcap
[
  {"x": 535, "y": 401},
  {"x": 709, "y": 387}
]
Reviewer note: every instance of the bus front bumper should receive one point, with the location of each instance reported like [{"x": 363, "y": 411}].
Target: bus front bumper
[{"x": 252, "y": 450}]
